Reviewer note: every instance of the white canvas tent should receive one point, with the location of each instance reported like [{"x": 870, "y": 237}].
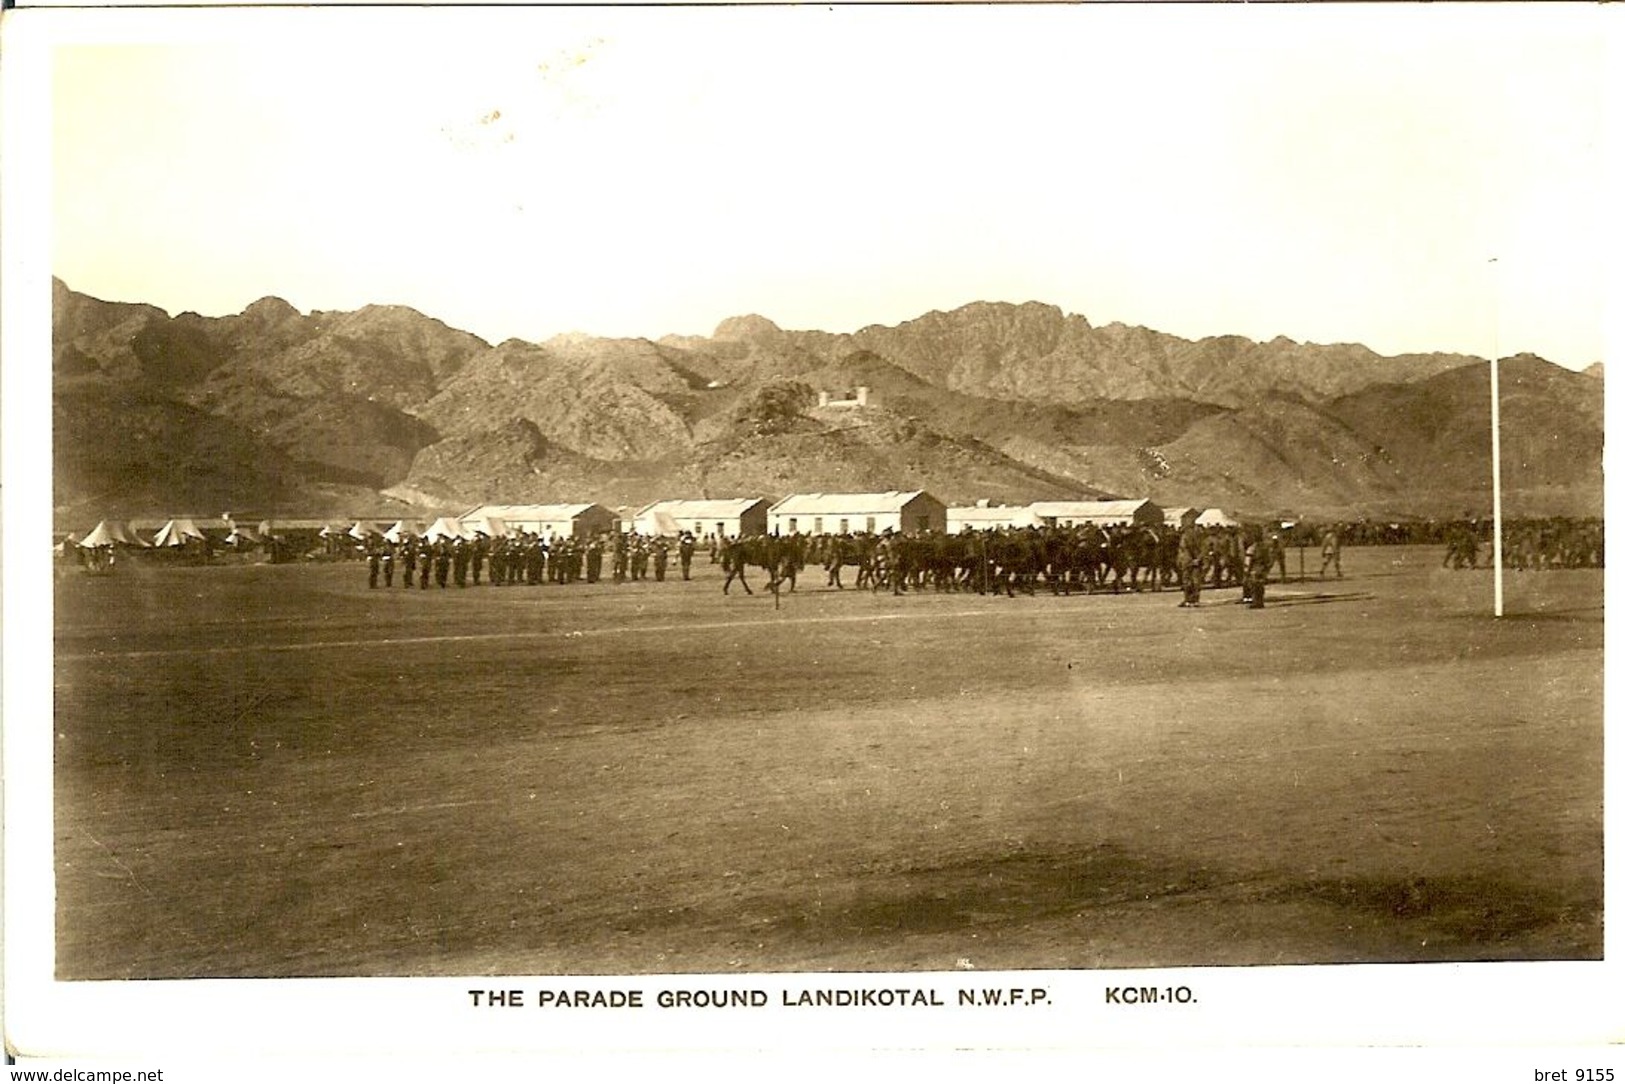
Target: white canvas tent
[
  {"x": 362, "y": 531},
  {"x": 489, "y": 526},
  {"x": 400, "y": 532},
  {"x": 446, "y": 527},
  {"x": 242, "y": 536},
  {"x": 110, "y": 533},
  {"x": 177, "y": 532},
  {"x": 1216, "y": 517}
]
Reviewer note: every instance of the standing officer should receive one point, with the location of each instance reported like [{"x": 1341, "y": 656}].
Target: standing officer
[
  {"x": 459, "y": 561},
  {"x": 1192, "y": 557},
  {"x": 409, "y": 560},
  {"x": 660, "y": 547},
  {"x": 1331, "y": 551},
  {"x": 618, "y": 557},
  {"x": 1260, "y": 557},
  {"x": 685, "y": 552},
  {"x": 595, "y": 558},
  {"x": 442, "y": 561},
  {"x": 640, "y": 558}
]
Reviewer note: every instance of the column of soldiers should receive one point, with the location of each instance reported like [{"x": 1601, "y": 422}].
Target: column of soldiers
[
  {"x": 1085, "y": 557},
  {"x": 521, "y": 558}
]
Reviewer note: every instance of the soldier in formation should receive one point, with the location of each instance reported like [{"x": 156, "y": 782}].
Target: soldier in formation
[{"x": 685, "y": 552}]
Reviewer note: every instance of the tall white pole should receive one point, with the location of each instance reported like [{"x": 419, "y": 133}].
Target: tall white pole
[
  {"x": 1495, "y": 468},
  {"x": 1495, "y": 432}
]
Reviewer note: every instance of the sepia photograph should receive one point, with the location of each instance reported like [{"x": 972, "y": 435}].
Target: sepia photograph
[{"x": 923, "y": 526}]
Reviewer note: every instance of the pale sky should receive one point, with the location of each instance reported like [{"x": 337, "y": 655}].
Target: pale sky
[{"x": 1330, "y": 174}]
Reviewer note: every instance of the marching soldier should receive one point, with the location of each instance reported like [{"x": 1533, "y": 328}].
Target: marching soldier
[
  {"x": 425, "y": 562},
  {"x": 733, "y": 564},
  {"x": 374, "y": 560}
]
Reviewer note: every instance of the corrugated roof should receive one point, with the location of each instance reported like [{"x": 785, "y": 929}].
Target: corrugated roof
[
  {"x": 812, "y": 504},
  {"x": 1088, "y": 508},
  {"x": 719, "y": 508},
  {"x": 525, "y": 512},
  {"x": 992, "y": 513}
]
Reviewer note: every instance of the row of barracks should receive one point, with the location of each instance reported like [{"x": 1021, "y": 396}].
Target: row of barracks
[
  {"x": 710, "y": 518},
  {"x": 820, "y": 513}
]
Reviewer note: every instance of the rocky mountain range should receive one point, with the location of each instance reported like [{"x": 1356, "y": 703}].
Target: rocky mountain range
[{"x": 387, "y": 411}]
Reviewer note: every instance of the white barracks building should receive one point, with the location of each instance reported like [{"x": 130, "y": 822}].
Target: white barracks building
[{"x": 857, "y": 513}]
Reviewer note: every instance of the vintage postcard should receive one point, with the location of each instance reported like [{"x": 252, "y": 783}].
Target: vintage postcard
[{"x": 1071, "y": 531}]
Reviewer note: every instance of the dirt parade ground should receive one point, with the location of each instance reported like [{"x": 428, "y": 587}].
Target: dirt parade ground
[{"x": 274, "y": 771}]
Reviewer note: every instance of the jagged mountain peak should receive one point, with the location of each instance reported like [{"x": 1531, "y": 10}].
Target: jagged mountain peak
[{"x": 1018, "y": 399}]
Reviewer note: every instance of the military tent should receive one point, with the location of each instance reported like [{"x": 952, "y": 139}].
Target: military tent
[
  {"x": 110, "y": 533},
  {"x": 177, "y": 532},
  {"x": 400, "y": 532},
  {"x": 446, "y": 527},
  {"x": 362, "y": 531},
  {"x": 1216, "y": 517},
  {"x": 489, "y": 526}
]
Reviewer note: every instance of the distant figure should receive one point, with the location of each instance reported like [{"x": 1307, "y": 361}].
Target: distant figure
[
  {"x": 660, "y": 548},
  {"x": 1260, "y": 558},
  {"x": 1193, "y": 547},
  {"x": 1331, "y": 552}
]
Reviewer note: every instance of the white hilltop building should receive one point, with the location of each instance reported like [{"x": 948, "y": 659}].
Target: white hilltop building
[{"x": 860, "y": 398}]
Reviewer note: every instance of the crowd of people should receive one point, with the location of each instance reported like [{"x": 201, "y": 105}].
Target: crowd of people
[
  {"x": 1086, "y": 558},
  {"x": 523, "y": 558},
  {"x": 1063, "y": 560}
]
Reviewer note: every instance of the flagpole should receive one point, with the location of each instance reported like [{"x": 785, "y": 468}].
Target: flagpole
[
  {"x": 1495, "y": 433},
  {"x": 1495, "y": 469}
]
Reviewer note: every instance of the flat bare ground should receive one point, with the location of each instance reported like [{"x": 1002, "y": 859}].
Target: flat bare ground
[{"x": 273, "y": 771}]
